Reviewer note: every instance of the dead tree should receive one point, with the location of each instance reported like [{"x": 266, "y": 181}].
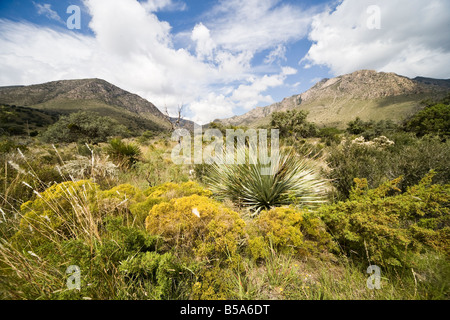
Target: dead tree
[{"x": 175, "y": 124}]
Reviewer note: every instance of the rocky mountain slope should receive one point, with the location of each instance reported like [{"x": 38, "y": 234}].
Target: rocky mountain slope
[
  {"x": 367, "y": 94},
  {"x": 97, "y": 95}
]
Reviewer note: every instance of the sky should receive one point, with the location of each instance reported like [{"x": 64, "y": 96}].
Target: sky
[{"x": 220, "y": 58}]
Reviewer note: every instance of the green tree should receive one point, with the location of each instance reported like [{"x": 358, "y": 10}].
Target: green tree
[
  {"x": 433, "y": 119},
  {"x": 83, "y": 126},
  {"x": 358, "y": 126},
  {"x": 293, "y": 123}
]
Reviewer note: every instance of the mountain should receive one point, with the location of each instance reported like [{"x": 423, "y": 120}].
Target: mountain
[
  {"x": 367, "y": 94},
  {"x": 68, "y": 96}
]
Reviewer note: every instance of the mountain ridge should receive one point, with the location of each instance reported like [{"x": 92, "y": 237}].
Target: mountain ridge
[
  {"x": 94, "y": 94},
  {"x": 366, "y": 93}
]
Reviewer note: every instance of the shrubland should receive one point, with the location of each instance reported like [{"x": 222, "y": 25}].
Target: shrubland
[{"x": 140, "y": 227}]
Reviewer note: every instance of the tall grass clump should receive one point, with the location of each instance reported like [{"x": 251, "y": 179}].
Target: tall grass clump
[{"x": 288, "y": 180}]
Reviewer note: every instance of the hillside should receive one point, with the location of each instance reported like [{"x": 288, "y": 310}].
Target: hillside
[
  {"x": 366, "y": 94},
  {"x": 68, "y": 96},
  {"x": 22, "y": 120}
]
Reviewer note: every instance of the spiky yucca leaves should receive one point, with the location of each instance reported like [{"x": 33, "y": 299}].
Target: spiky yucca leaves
[
  {"x": 289, "y": 179},
  {"x": 124, "y": 154}
]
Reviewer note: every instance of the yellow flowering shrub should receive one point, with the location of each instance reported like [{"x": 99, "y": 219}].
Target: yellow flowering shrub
[
  {"x": 140, "y": 210},
  {"x": 121, "y": 199},
  {"x": 59, "y": 210},
  {"x": 389, "y": 227},
  {"x": 198, "y": 225},
  {"x": 172, "y": 190},
  {"x": 213, "y": 284},
  {"x": 287, "y": 230},
  {"x": 164, "y": 193},
  {"x": 123, "y": 192}
]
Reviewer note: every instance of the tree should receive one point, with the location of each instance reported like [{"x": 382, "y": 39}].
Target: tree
[
  {"x": 175, "y": 125},
  {"x": 358, "y": 126},
  {"x": 433, "y": 119},
  {"x": 83, "y": 126},
  {"x": 293, "y": 123}
]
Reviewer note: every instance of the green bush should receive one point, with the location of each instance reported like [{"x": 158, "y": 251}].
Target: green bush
[
  {"x": 371, "y": 129},
  {"x": 146, "y": 137},
  {"x": 172, "y": 190},
  {"x": 289, "y": 231},
  {"x": 434, "y": 119},
  {"x": 166, "y": 274},
  {"x": 409, "y": 157},
  {"x": 63, "y": 211},
  {"x": 388, "y": 227},
  {"x": 198, "y": 226},
  {"x": 330, "y": 136}
]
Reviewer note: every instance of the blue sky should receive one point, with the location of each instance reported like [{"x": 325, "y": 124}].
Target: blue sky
[{"x": 221, "y": 58}]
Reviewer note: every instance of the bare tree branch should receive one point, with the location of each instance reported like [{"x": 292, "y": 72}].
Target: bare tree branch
[{"x": 175, "y": 125}]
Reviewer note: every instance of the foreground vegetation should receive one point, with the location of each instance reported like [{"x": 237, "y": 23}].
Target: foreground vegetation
[{"x": 140, "y": 227}]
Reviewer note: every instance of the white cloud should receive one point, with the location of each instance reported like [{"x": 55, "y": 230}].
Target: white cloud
[
  {"x": 46, "y": 10},
  {"x": 133, "y": 49},
  {"x": 248, "y": 96},
  {"x": 164, "y": 5},
  {"x": 256, "y": 25},
  {"x": 211, "y": 108},
  {"x": 279, "y": 53},
  {"x": 413, "y": 38},
  {"x": 205, "y": 45}
]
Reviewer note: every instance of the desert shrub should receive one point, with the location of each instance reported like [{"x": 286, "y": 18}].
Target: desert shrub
[
  {"x": 124, "y": 192},
  {"x": 164, "y": 271},
  {"x": 66, "y": 210},
  {"x": 172, "y": 190},
  {"x": 36, "y": 269},
  {"x": 94, "y": 167},
  {"x": 330, "y": 136},
  {"x": 120, "y": 199},
  {"x": 371, "y": 129},
  {"x": 213, "y": 283},
  {"x": 154, "y": 168},
  {"x": 201, "y": 171},
  {"x": 409, "y": 157},
  {"x": 197, "y": 225},
  {"x": 146, "y": 137},
  {"x": 101, "y": 265},
  {"x": 140, "y": 210},
  {"x": 351, "y": 160},
  {"x": 288, "y": 179},
  {"x": 415, "y": 159},
  {"x": 434, "y": 119},
  {"x": 287, "y": 230},
  {"x": 122, "y": 153},
  {"x": 389, "y": 227}
]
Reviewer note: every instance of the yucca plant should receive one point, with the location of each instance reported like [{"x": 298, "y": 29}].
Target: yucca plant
[
  {"x": 124, "y": 154},
  {"x": 289, "y": 179}
]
